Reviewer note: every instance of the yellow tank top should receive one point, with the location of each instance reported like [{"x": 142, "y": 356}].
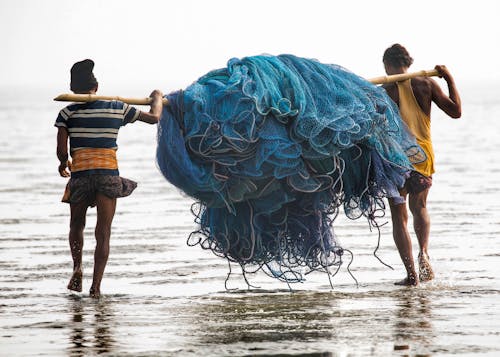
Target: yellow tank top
[{"x": 419, "y": 124}]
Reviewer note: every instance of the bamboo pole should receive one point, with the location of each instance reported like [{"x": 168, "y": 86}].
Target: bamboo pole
[
  {"x": 147, "y": 101},
  {"x": 93, "y": 97},
  {"x": 403, "y": 76}
]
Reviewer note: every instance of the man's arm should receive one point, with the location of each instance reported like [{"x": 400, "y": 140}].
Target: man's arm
[
  {"x": 451, "y": 104},
  {"x": 62, "y": 151},
  {"x": 154, "y": 114}
]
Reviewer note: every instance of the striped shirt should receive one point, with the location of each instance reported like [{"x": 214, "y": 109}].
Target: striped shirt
[{"x": 95, "y": 125}]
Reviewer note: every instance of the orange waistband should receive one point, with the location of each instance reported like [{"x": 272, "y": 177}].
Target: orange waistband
[{"x": 89, "y": 159}]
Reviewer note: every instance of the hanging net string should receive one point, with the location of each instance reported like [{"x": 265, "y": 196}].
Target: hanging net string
[{"x": 271, "y": 147}]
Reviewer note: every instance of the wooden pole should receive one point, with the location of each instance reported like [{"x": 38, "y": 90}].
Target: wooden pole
[
  {"x": 93, "y": 97},
  {"x": 403, "y": 76},
  {"x": 147, "y": 101}
]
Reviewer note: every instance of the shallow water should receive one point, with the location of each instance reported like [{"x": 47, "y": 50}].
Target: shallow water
[{"x": 162, "y": 297}]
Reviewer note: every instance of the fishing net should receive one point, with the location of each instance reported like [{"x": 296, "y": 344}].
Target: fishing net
[{"x": 271, "y": 147}]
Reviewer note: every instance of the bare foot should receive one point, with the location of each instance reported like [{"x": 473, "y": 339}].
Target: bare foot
[
  {"x": 75, "y": 283},
  {"x": 410, "y": 281},
  {"x": 94, "y": 293},
  {"x": 424, "y": 268}
]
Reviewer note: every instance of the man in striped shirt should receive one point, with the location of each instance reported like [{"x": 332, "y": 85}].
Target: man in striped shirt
[{"x": 92, "y": 129}]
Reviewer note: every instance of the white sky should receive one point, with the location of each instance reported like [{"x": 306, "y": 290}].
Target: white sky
[{"x": 142, "y": 45}]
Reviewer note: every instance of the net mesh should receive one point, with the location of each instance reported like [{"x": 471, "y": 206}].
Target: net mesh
[{"x": 271, "y": 147}]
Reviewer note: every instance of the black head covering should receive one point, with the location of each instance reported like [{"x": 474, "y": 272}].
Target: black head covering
[{"x": 82, "y": 78}]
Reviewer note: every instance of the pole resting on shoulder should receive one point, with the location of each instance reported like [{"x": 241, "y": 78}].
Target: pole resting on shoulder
[
  {"x": 147, "y": 101},
  {"x": 94, "y": 97},
  {"x": 403, "y": 76}
]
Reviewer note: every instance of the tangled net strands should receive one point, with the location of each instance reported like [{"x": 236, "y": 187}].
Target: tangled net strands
[{"x": 271, "y": 147}]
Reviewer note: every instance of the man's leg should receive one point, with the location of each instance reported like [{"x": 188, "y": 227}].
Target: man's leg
[
  {"x": 421, "y": 219},
  {"x": 76, "y": 227},
  {"x": 421, "y": 225},
  {"x": 402, "y": 239},
  {"x": 105, "y": 212}
]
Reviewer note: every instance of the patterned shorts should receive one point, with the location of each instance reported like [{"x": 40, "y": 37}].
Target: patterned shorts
[
  {"x": 417, "y": 182},
  {"x": 86, "y": 188}
]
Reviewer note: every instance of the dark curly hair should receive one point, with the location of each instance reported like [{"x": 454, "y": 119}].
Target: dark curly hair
[{"x": 397, "y": 56}]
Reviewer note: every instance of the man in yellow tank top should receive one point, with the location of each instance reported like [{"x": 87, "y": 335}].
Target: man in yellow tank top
[{"x": 414, "y": 98}]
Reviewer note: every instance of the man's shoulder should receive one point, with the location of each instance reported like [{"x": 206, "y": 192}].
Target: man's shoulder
[
  {"x": 389, "y": 86},
  {"x": 422, "y": 81},
  {"x": 73, "y": 107},
  {"x": 391, "y": 89},
  {"x": 106, "y": 104},
  {"x": 422, "y": 85}
]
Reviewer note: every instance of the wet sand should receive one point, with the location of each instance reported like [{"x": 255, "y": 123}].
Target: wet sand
[{"x": 161, "y": 297}]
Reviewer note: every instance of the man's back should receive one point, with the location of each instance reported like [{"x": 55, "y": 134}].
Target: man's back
[{"x": 422, "y": 89}]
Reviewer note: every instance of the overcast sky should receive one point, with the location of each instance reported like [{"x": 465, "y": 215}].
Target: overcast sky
[{"x": 141, "y": 45}]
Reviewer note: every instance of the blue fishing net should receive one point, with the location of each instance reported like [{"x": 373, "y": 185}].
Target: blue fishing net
[{"x": 271, "y": 147}]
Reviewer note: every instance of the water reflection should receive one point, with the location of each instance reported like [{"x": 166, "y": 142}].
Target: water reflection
[
  {"x": 77, "y": 333},
  {"x": 91, "y": 323},
  {"x": 264, "y": 323},
  {"x": 413, "y": 328},
  {"x": 266, "y": 318},
  {"x": 337, "y": 322}
]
